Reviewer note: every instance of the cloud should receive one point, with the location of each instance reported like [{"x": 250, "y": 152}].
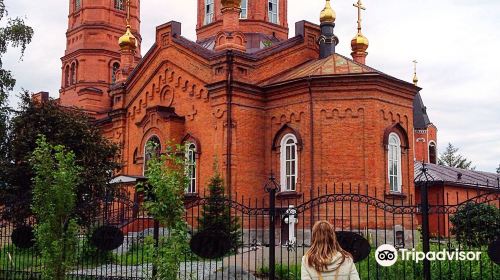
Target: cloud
[{"x": 456, "y": 42}]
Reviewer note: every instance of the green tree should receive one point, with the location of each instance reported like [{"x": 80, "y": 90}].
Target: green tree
[
  {"x": 216, "y": 214},
  {"x": 498, "y": 169},
  {"x": 164, "y": 194},
  {"x": 56, "y": 177},
  {"x": 476, "y": 224},
  {"x": 451, "y": 158},
  {"x": 14, "y": 33},
  {"x": 62, "y": 126}
]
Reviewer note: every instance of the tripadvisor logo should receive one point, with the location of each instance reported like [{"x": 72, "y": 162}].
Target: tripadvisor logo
[{"x": 387, "y": 255}]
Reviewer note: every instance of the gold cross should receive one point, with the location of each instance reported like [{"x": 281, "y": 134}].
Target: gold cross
[
  {"x": 360, "y": 7},
  {"x": 415, "y": 66},
  {"x": 128, "y": 12}
]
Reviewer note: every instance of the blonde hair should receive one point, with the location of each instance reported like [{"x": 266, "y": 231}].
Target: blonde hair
[{"x": 324, "y": 247}]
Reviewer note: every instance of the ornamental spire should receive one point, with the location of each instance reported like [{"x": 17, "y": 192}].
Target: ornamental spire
[
  {"x": 415, "y": 78},
  {"x": 128, "y": 12},
  {"x": 327, "y": 14},
  {"x": 359, "y": 44},
  {"x": 128, "y": 40},
  {"x": 360, "y": 7},
  {"x": 327, "y": 40}
]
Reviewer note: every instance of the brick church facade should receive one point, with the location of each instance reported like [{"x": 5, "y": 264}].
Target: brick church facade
[
  {"x": 254, "y": 101},
  {"x": 246, "y": 96}
]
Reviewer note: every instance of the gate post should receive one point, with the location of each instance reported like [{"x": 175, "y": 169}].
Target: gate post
[
  {"x": 271, "y": 187},
  {"x": 424, "y": 196},
  {"x": 156, "y": 237}
]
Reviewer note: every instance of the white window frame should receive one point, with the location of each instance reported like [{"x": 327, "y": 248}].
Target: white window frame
[
  {"x": 244, "y": 9},
  {"x": 191, "y": 167},
  {"x": 208, "y": 11},
  {"x": 274, "y": 16},
  {"x": 145, "y": 158},
  {"x": 394, "y": 157},
  {"x": 289, "y": 158}
]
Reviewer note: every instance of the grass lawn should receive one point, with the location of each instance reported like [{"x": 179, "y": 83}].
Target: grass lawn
[{"x": 13, "y": 258}]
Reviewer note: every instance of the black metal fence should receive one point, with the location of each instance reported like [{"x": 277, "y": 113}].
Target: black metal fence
[{"x": 275, "y": 234}]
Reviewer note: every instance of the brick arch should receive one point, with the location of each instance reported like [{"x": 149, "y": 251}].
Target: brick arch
[
  {"x": 67, "y": 81},
  {"x": 113, "y": 72},
  {"x": 167, "y": 96},
  {"x": 73, "y": 76},
  {"x": 400, "y": 131},
  {"x": 190, "y": 138},
  {"x": 286, "y": 129},
  {"x": 150, "y": 133}
]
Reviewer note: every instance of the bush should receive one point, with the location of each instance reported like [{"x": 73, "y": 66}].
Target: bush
[
  {"x": 90, "y": 256},
  {"x": 476, "y": 224},
  {"x": 216, "y": 215},
  {"x": 164, "y": 194},
  {"x": 56, "y": 177}
]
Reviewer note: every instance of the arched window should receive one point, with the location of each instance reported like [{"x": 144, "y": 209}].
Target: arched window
[
  {"x": 209, "y": 11},
  {"x": 119, "y": 5},
  {"x": 244, "y": 9},
  {"x": 191, "y": 167},
  {"x": 73, "y": 74},
  {"x": 66, "y": 76},
  {"x": 288, "y": 163},
  {"x": 114, "y": 70},
  {"x": 432, "y": 152},
  {"x": 152, "y": 149},
  {"x": 273, "y": 11},
  {"x": 394, "y": 163}
]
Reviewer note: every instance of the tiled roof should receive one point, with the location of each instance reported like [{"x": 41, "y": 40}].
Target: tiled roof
[
  {"x": 335, "y": 64},
  {"x": 195, "y": 47},
  {"x": 255, "y": 42},
  {"x": 457, "y": 176}
]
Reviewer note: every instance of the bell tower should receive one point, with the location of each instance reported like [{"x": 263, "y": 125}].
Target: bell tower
[
  {"x": 267, "y": 17},
  {"x": 92, "y": 57}
]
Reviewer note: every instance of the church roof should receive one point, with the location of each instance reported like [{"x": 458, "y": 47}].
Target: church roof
[
  {"x": 335, "y": 64},
  {"x": 420, "y": 118},
  {"x": 456, "y": 176},
  {"x": 255, "y": 42}
]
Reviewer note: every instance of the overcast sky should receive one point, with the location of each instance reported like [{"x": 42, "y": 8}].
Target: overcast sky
[{"x": 457, "y": 43}]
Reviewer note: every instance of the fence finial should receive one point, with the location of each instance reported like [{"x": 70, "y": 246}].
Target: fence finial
[{"x": 271, "y": 184}]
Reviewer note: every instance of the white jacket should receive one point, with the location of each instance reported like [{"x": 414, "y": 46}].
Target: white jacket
[{"x": 347, "y": 271}]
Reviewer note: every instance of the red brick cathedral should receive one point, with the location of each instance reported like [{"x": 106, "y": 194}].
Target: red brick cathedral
[{"x": 248, "y": 96}]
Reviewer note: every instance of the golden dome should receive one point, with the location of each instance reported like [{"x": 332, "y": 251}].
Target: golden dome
[
  {"x": 128, "y": 40},
  {"x": 415, "y": 79},
  {"x": 360, "y": 41},
  {"x": 231, "y": 3},
  {"x": 327, "y": 14}
]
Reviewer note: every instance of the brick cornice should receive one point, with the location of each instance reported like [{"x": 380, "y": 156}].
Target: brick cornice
[
  {"x": 97, "y": 52},
  {"x": 343, "y": 82}
]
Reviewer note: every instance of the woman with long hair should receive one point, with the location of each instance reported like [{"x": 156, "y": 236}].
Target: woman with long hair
[{"x": 326, "y": 260}]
